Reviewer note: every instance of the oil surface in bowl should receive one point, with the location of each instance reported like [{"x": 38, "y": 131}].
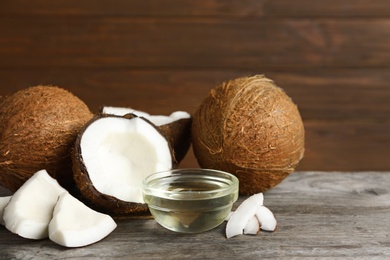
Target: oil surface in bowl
[{"x": 190, "y": 204}]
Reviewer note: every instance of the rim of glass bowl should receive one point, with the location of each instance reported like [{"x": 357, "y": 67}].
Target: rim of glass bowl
[{"x": 218, "y": 175}]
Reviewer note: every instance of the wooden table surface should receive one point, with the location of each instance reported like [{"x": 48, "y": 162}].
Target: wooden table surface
[{"x": 320, "y": 214}]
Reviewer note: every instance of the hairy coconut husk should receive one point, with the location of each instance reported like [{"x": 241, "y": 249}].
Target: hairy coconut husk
[
  {"x": 38, "y": 127},
  {"x": 251, "y": 128},
  {"x": 97, "y": 200}
]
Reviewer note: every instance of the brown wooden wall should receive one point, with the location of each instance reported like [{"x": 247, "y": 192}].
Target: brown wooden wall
[{"x": 332, "y": 57}]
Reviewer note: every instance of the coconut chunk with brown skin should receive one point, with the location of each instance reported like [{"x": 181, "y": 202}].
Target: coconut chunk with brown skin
[
  {"x": 158, "y": 120},
  {"x": 75, "y": 225},
  {"x": 240, "y": 217},
  {"x": 30, "y": 209},
  {"x": 3, "y": 203}
]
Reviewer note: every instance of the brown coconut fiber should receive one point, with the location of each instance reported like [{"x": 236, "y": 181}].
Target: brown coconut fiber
[
  {"x": 250, "y": 128},
  {"x": 38, "y": 127}
]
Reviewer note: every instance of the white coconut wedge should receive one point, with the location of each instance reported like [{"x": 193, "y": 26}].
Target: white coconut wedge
[
  {"x": 76, "y": 225},
  {"x": 176, "y": 127},
  {"x": 252, "y": 227},
  {"x": 112, "y": 156},
  {"x": 30, "y": 209},
  {"x": 3, "y": 203},
  {"x": 262, "y": 218},
  {"x": 240, "y": 217},
  {"x": 266, "y": 218}
]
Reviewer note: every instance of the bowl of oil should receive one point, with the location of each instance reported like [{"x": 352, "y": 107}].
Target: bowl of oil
[{"x": 190, "y": 200}]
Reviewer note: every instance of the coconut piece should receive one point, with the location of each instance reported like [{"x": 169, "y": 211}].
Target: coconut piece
[
  {"x": 158, "y": 120},
  {"x": 75, "y": 225},
  {"x": 251, "y": 128},
  {"x": 244, "y": 212},
  {"x": 3, "y": 203},
  {"x": 178, "y": 134},
  {"x": 38, "y": 127},
  {"x": 30, "y": 209},
  {"x": 252, "y": 227},
  {"x": 263, "y": 219},
  {"x": 266, "y": 218},
  {"x": 176, "y": 127},
  {"x": 112, "y": 156}
]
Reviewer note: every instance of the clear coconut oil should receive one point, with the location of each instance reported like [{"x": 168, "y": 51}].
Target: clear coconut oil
[{"x": 191, "y": 202}]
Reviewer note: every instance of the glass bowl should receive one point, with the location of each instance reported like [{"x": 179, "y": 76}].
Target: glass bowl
[{"x": 190, "y": 200}]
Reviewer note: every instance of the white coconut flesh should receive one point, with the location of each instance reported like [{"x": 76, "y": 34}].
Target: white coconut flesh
[
  {"x": 119, "y": 153},
  {"x": 266, "y": 218},
  {"x": 30, "y": 209},
  {"x": 252, "y": 227},
  {"x": 250, "y": 216},
  {"x": 75, "y": 225},
  {"x": 245, "y": 211},
  {"x": 158, "y": 120}
]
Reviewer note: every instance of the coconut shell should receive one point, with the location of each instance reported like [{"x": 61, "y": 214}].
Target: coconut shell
[
  {"x": 38, "y": 127},
  {"x": 97, "y": 200},
  {"x": 250, "y": 128},
  {"x": 178, "y": 134}
]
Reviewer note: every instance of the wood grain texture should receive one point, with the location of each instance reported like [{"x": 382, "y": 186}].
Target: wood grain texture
[
  {"x": 196, "y": 43},
  {"x": 350, "y": 145},
  {"x": 158, "y": 8},
  {"x": 321, "y": 94},
  {"x": 335, "y": 215}
]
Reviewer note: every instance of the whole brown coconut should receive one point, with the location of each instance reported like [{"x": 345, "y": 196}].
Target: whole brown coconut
[
  {"x": 250, "y": 128},
  {"x": 38, "y": 127}
]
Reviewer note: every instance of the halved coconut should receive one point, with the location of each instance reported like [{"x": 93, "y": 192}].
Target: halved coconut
[
  {"x": 112, "y": 155},
  {"x": 176, "y": 126}
]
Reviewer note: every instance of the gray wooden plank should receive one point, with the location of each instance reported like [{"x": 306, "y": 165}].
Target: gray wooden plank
[{"x": 320, "y": 214}]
